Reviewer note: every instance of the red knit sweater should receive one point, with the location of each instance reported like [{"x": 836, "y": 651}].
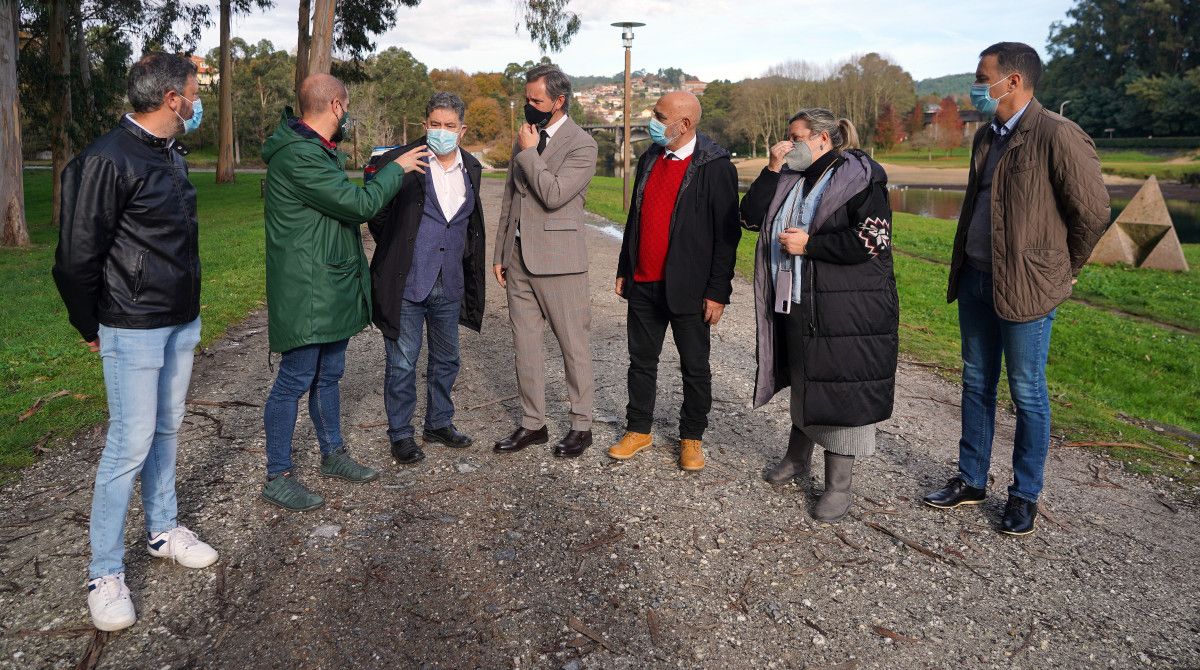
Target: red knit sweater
[{"x": 658, "y": 203}]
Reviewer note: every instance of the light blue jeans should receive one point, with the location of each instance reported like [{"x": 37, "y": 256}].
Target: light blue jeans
[{"x": 146, "y": 375}]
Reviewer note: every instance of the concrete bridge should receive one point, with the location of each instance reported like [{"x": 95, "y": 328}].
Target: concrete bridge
[{"x": 637, "y": 132}]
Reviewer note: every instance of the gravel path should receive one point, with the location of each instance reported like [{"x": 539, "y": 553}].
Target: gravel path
[{"x": 475, "y": 560}]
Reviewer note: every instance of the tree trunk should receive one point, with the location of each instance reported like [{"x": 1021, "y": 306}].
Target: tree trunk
[
  {"x": 84, "y": 67},
  {"x": 60, "y": 119},
  {"x": 225, "y": 158},
  {"x": 320, "y": 48},
  {"x": 14, "y": 232},
  {"x": 302, "y": 41}
]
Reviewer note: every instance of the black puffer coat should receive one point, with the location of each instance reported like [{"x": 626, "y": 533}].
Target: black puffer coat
[{"x": 849, "y": 302}]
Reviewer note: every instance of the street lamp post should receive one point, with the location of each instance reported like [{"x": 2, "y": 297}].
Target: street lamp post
[
  {"x": 627, "y": 38},
  {"x": 512, "y": 122},
  {"x": 1060, "y": 107}
]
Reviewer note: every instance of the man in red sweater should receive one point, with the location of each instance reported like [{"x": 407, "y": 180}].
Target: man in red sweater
[{"x": 676, "y": 269}]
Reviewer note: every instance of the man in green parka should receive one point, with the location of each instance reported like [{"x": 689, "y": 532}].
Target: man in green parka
[{"x": 318, "y": 283}]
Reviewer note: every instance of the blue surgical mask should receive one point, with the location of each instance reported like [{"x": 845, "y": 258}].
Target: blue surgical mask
[
  {"x": 191, "y": 124},
  {"x": 658, "y": 133},
  {"x": 441, "y": 141},
  {"x": 981, "y": 96}
]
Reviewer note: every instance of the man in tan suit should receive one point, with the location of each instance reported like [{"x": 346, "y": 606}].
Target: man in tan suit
[{"x": 541, "y": 259}]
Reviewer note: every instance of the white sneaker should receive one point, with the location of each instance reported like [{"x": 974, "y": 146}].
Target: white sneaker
[
  {"x": 110, "y": 604},
  {"x": 182, "y": 546}
]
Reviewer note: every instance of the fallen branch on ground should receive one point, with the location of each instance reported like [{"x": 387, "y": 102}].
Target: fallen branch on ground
[{"x": 37, "y": 405}]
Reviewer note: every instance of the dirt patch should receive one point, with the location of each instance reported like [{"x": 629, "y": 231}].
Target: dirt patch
[{"x": 474, "y": 560}]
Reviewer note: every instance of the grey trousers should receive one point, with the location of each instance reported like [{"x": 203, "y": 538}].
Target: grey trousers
[{"x": 565, "y": 302}]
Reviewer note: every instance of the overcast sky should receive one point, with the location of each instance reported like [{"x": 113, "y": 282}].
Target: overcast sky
[{"x": 712, "y": 39}]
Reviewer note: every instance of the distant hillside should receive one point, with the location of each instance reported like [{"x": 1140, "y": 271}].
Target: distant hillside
[{"x": 952, "y": 84}]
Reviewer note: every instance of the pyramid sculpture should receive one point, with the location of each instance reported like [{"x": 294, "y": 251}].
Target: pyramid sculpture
[{"x": 1143, "y": 235}]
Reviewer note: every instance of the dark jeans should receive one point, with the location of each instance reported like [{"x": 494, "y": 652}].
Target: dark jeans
[
  {"x": 439, "y": 316},
  {"x": 315, "y": 369},
  {"x": 647, "y": 324},
  {"x": 986, "y": 338}
]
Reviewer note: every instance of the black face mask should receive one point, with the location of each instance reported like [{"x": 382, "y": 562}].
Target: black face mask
[
  {"x": 340, "y": 133},
  {"x": 536, "y": 116}
]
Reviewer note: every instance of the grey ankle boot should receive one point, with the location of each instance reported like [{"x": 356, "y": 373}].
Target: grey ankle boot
[
  {"x": 796, "y": 464},
  {"x": 835, "y": 502}
]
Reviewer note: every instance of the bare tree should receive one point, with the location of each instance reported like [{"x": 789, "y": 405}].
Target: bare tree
[
  {"x": 15, "y": 232},
  {"x": 60, "y": 120}
]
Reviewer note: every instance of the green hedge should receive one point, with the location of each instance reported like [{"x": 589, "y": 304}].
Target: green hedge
[{"x": 1148, "y": 142}]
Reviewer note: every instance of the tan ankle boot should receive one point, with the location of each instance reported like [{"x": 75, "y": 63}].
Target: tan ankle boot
[
  {"x": 691, "y": 455},
  {"x": 629, "y": 445}
]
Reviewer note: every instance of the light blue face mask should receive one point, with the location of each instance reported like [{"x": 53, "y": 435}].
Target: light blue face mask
[
  {"x": 190, "y": 125},
  {"x": 981, "y": 96},
  {"x": 658, "y": 133},
  {"x": 441, "y": 141}
]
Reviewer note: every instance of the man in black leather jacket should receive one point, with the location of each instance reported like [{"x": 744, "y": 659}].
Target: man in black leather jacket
[{"x": 128, "y": 269}]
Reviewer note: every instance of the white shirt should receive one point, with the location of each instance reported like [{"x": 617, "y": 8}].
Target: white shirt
[
  {"x": 553, "y": 127},
  {"x": 170, "y": 140},
  {"x": 682, "y": 152},
  {"x": 448, "y": 184}
]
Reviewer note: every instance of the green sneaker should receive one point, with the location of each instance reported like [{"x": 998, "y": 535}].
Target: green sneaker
[
  {"x": 340, "y": 465},
  {"x": 287, "y": 492}
]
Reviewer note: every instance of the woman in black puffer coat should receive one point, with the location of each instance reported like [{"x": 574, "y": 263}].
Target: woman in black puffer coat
[{"x": 825, "y": 298}]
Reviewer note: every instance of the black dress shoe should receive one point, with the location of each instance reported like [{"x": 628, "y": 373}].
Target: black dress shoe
[
  {"x": 448, "y": 436},
  {"x": 1018, "y": 516},
  {"x": 573, "y": 444},
  {"x": 406, "y": 451},
  {"x": 955, "y": 493},
  {"x": 521, "y": 438}
]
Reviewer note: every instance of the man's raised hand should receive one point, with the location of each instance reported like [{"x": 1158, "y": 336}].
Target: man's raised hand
[{"x": 411, "y": 159}]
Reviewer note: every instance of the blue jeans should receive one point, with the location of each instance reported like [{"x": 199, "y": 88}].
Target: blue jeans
[
  {"x": 146, "y": 375},
  {"x": 439, "y": 316},
  {"x": 1024, "y": 347},
  {"x": 314, "y": 369}
]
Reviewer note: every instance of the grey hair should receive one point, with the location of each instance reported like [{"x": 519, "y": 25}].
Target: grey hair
[
  {"x": 446, "y": 100},
  {"x": 820, "y": 120},
  {"x": 153, "y": 76},
  {"x": 557, "y": 83}
]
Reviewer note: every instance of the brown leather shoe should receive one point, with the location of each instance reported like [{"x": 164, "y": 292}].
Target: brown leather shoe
[
  {"x": 629, "y": 445},
  {"x": 573, "y": 444},
  {"x": 691, "y": 455},
  {"x": 521, "y": 438}
]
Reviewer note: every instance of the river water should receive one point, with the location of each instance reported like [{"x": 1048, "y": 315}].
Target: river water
[{"x": 946, "y": 203}]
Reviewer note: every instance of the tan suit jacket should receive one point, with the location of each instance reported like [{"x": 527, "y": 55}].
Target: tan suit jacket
[{"x": 545, "y": 193}]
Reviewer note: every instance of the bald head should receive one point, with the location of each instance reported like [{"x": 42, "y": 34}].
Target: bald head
[
  {"x": 681, "y": 105},
  {"x": 679, "y": 111},
  {"x": 318, "y": 90}
]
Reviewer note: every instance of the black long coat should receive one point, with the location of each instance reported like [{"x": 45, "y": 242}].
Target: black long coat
[
  {"x": 849, "y": 303},
  {"x": 704, "y": 232},
  {"x": 395, "y": 231}
]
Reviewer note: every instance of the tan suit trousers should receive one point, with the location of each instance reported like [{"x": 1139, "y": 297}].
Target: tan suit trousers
[{"x": 565, "y": 302}]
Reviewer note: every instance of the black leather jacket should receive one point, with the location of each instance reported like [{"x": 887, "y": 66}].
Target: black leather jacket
[{"x": 128, "y": 249}]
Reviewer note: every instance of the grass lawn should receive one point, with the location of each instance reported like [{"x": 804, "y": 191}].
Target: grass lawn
[
  {"x": 959, "y": 157},
  {"x": 1123, "y": 162},
  {"x": 1102, "y": 365},
  {"x": 1168, "y": 297},
  {"x": 40, "y": 354}
]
